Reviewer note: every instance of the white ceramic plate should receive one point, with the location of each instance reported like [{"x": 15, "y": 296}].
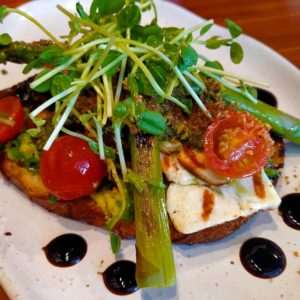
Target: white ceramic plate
[{"x": 209, "y": 271}]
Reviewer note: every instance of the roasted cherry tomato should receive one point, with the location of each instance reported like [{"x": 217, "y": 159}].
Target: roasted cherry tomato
[
  {"x": 12, "y": 118},
  {"x": 236, "y": 144},
  {"x": 70, "y": 169}
]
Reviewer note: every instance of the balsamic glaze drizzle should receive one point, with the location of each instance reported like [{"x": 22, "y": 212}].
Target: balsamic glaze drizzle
[
  {"x": 119, "y": 278},
  {"x": 290, "y": 210},
  {"x": 66, "y": 250},
  {"x": 262, "y": 258}
]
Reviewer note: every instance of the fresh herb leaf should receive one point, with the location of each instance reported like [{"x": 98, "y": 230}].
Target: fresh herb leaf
[
  {"x": 120, "y": 111},
  {"x": 105, "y": 7},
  {"x": 50, "y": 53},
  {"x": 115, "y": 242},
  {"x": 38, "y": 122},
  {"x": 94, "y": 146},
  {"x": 214, "y": 64},
  {"x": 144, "y": 86},
  {"x": 157, "y": 183},
  {"x": 159, "y": 71},
  {"x": 52, "y": 56},
  {"x": 86, "y": 117},
  {"x": 234, "y": 29},
  {"x": 140, "y": 107},
  {"x": 3, "y": 11},
  {"x": 32, "y": 65},
  {"x": 216, "y": 42},
  {"x": 75, "y": 27},
  {"x": 5, "y": 39},
  {"x": 189, "y": 58},
  {"x": 45, "y": 86},
  {"x": 152, "y": 122},
  {"x": 109, "y": 152},
  {"x": 129, "y": 16},
  {"x": 60, "y": 83},
  {"x": 112, "y": 55},
  {"x": 132, "y": 85},
  {"x": 136, "y": 180},
  {"x": 171, "y": 48},
  {"x": 82, "y": 14},
  {"x": 33, "y": 132},
  {"x": 188, "y": 102},
  {"x": 206, "y": 28},
  {"x": 171, "y": 32},
  {"x": 236, "y": 53},
  {"x": 153, "y": 35},
  {"x": 252, "y": 91},
  {"x": 154, "y": 40}
]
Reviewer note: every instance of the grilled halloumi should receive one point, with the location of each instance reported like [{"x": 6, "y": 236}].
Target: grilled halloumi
[
  {"x": 194, "y": 205},
  {"x": 195, "y": 162}
]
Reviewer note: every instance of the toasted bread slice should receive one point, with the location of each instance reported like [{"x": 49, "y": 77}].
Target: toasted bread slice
[{"x": 85, "y": 209}]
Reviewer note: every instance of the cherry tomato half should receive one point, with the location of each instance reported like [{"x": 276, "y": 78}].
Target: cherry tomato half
[
  {"x": 70, "y": 169},
  {"x": 12, "y": 118},
  {"x": 237, "y": 144}
]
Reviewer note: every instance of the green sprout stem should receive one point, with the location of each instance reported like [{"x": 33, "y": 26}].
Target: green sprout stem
[
  {"x": 190, "y": 30},
  {"x": 192, "y": 92},
  {"x": 56, "y": 70},
  {"x": 108, "y": 95},
  {"x": 230, "y": 86},
  {"x": 84, "y": 22},
  {"x": 112, "y": 168},
  {"x": 230, "y": 75},
  {"x": 62, "y": 120},
  {"x": 120, "y": 80},
  {"x": 76, "y": 134},
  {"x": 85, "y": 124},
  {"x": 108, "y": 67},
  {"x": 100, "y": 139},
  {"x": 117, "y": 130},
  {"x": 52, "y": 100},
  {"x": 87, "y": 46},
  {"x": 194, "y": 79},
  {"x": 38, "y": 24}
]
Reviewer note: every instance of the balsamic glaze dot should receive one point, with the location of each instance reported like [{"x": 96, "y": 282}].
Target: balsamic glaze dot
[
  {"x": 262, "y": 258},
  {"x": 119, "y": 278},
  {"x": 267, "y": 97},
  {"x": 290, "y": 210},
  {"x": 66, "y": 250}
]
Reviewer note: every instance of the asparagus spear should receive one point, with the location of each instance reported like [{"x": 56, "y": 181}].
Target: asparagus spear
[
  {"x": 282, "y": 123},
  {"x": 22, "y": 52},
  {"x": 155, "y": 262}
]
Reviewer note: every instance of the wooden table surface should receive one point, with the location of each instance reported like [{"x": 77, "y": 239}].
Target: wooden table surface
[{"x": 274, "y": 22}]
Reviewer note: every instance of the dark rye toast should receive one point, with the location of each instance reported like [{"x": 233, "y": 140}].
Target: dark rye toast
[{"x": 86, "y": 210}]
